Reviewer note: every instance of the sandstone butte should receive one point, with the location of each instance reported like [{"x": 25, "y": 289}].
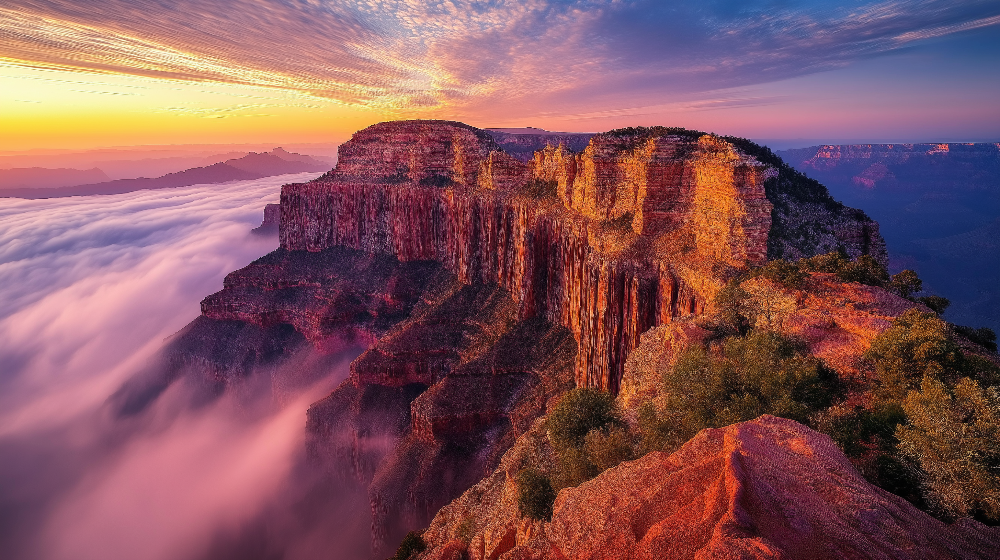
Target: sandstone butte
[{"x": 482, "y": 286}]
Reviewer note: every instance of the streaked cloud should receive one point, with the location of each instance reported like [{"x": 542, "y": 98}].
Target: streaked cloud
[{"x": 473, "y": 56}]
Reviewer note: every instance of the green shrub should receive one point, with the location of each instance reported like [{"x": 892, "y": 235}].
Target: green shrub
[
  {"x": 985, "y": 372},
  {"x": 864, "y": 269},
  {"x": 983, "y": 336},
  {"x": 735, "y": 313},
  {"x": 952, "y": 435},
  {"x": 412, "y": 544},
  {"x": 761, "y": 373},
  {"x": 657, "y": 431},
  {"x": 608, "y": 448},
  {"x": 573, "y": 468},
  {"x": 906, "y": 283},
  {"x": 868, "y": 438},
  {"x": 830, "y": 262},
  {"x": 937, "y": 303},
  {"x": 577, "y": 413},
  {"x": 915, "y": 346},
  {"x": 783, "y": 272},
  {"x": 535, "y": 495}
]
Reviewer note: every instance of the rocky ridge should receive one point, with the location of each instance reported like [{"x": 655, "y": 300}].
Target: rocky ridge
[{"x": 765, "y": 489}]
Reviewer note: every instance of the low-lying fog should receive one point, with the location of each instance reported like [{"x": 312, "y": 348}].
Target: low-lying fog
[{"x": 89, "y": 288}]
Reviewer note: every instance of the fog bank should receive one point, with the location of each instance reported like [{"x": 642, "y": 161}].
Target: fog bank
[{"x": 91, "y": 287}]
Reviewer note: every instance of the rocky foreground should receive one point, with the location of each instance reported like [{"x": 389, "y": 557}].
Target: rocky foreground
[{"x": 770, "y": 488}]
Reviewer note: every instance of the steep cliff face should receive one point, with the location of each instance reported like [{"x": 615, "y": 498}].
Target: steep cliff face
[{"x": 645, "y": 226}]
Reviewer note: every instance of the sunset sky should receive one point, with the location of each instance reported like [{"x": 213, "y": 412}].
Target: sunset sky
[{"x": 78, "y": 74}]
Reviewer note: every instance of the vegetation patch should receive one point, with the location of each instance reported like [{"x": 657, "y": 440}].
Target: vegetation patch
[
  {"x": 540, "y": 188},
  {"x": 535, "y": 495},
  {"x": 763, "y": 372},
  {"x": 411, "y": 545}
]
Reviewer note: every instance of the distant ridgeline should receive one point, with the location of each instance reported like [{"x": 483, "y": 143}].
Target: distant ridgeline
[{"x": 251, "y": 166}]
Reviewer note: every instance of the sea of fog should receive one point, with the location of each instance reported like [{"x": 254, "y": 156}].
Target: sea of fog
[{"x": 89, "y": 288}]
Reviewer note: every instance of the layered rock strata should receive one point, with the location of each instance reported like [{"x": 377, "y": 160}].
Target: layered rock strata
[
  {"x": 430, "y": 408},
  {"x": 644, "y": 227}
]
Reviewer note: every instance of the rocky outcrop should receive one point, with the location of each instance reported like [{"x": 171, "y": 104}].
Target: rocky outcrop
[
  {"x": 334, "y": 298},
  {"x": 269, "y": 225},
  {"x": 770, "y": 488},
  {"x": 646, "y": 226}
]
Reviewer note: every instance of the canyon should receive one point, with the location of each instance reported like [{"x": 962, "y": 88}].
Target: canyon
[
  {"x": 479, "y": 285},
  {"x": 937, "y": 205}
]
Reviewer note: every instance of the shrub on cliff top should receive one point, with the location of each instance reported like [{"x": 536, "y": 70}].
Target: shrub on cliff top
[
  {"x": 653, "y": 131},
  {"x": 588, "y": 434},
  {"x": 535, "y": 495},
  {"x": 983, "y": 336},
  {"x": 412, "y": 544},
  {"x": 917, "y": 345},
  {"x": 952, "y": 434},
  {"x": 937, "y": 304},
  {"x": 782, "y": 272},
  {"x": 906, "y": 283},
  {"x": 761, "y": 373},
  {"x": 863, "y": 269},
  {"x": 578, "y": 412}
]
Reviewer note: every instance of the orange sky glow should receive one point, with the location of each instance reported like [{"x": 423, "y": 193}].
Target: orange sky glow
[{"x": 118, "y": 73}]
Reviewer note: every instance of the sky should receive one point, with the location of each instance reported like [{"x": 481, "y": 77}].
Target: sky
[
  {"x": 92, "y": 285},
  {"x": 77, "y": 74}
]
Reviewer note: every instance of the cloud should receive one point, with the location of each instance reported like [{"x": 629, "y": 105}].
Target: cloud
[
  {"x": 473, "y": 55},
  {"x": 92, "y": 286}
]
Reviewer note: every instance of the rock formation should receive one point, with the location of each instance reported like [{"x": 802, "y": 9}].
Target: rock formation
[
  {"x": 478, "y": 287},
  {"x": 269, "y": 225},
  {"x": 765, "y": 489},
  {"x": 646, "y": 225}
]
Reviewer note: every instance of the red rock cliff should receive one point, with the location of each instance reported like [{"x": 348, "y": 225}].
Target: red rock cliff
[{"x": 641, "y": 228}]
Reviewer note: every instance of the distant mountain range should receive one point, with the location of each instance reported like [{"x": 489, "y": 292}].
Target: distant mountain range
[
  {"x": 522, "y": 143},
  {"x": 251, "y": 166},
  {"x": 938, "y": 207}
]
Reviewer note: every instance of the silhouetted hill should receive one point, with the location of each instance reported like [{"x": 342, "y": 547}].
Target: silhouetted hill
[
  {"x": 251, "y": 166},
  {"x": 44, "y": 178}
]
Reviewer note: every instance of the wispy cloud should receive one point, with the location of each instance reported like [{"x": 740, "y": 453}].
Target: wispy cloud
[{"x": 408, "y": 55}]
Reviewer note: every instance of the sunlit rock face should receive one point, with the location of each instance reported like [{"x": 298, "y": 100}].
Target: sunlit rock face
[
  {"x": 768, "y": 489},
  {"x": 640, "y": 227}
]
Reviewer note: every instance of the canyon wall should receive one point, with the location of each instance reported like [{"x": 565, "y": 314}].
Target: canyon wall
[{"x": 639, "y": 228}]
